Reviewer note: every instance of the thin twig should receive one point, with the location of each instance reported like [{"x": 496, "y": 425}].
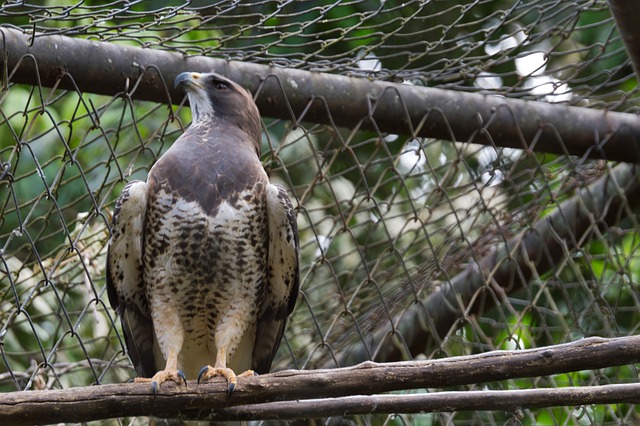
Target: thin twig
[{"x": 511, "y": 400}]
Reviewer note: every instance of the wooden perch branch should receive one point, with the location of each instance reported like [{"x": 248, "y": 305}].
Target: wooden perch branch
[
  {"x": 297, "y": 95},
  {"x": 210, "y": 400}
]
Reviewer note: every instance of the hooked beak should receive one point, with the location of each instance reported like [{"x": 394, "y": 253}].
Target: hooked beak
[{"x": 188, "y": 79}]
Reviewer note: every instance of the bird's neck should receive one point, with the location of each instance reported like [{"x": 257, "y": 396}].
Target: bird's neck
[{"x": 217, "y": 133}]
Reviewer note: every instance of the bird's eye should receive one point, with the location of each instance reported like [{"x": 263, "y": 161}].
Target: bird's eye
[{"x": 219, "y": 85}]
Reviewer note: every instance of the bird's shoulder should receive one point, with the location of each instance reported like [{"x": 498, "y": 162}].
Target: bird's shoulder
[{"x": 207, "y": 170}]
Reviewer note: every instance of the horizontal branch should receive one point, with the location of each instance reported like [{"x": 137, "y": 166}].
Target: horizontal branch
[
  {"x": 297, "y": 95},
  {"x": 135, "y": 399},
  {"x": 485, "y": 400},
  {"x": 509, "y": 266}
]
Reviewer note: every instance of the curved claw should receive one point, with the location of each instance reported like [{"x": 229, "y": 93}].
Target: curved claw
[
  {"x": 208, "y": 371},
  {"x": 202, "y": 371},
  {"x": 183, "y": 377},
  {"x": 154, "y": 388}
]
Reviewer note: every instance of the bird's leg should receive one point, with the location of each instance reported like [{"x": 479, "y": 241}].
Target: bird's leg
[
  {"x": 170, "y": 336},
  {"x": 220, "y": 369}
]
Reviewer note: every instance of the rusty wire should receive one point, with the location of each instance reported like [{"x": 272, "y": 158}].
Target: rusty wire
[{"x": 384, "y": 219}]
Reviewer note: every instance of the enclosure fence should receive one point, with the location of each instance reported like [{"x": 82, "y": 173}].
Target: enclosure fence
[{"x": 463, "y": 175}]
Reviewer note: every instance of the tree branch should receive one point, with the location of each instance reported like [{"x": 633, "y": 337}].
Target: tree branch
[
  {"x": 197, "y": 401},
  {"x": 510, "y": 266},
  {"x": 147, "y": 74},
  {"x": 511, "y": 400},
  {"x": 626, "y": 15}
]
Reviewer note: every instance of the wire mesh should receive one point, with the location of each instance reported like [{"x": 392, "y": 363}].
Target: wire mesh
[{"x": 384, "y": 219}]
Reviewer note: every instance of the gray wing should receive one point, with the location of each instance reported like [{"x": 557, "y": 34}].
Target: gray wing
[
  {"x": 125, "y": 281},
  {"x": 283, "y": 278}
]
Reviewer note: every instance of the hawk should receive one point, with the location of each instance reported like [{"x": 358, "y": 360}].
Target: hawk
[{"x": 202, "y": 265}]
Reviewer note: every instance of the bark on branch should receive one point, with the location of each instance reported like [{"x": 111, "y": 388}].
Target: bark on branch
[
  {"x": 147, "y": 74},
  {"x": 210, "y": 400}
]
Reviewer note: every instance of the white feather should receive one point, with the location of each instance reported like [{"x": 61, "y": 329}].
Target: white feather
[
  {"x": 125, "y": 248},
  {"x": 283, "y": 256}
]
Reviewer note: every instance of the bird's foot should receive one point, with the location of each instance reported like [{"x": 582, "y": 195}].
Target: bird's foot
[
  {"x": 163, "y": 376},
  {"x": 208, "y": 372}
]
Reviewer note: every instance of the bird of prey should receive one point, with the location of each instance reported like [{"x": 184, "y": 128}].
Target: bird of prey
[{"x": 202, "y": 265}]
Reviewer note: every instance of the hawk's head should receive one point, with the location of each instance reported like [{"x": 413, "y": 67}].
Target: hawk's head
[{"x": 214, "y": 97}]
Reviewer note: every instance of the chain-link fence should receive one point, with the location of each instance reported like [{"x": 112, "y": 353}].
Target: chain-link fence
[{"x": 393, "y": 223}]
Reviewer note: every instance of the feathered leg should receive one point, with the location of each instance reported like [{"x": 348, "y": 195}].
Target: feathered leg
[{"x": 170, "y": 336}]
